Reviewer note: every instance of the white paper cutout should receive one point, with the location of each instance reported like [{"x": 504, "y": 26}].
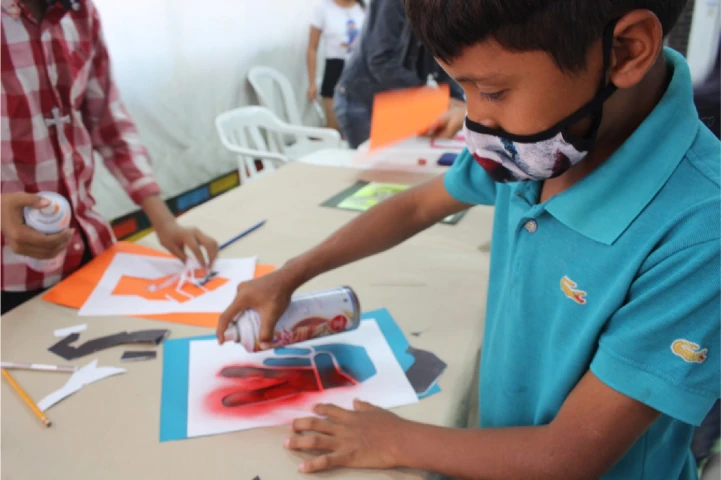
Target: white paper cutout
[
  {"x": 86, "y": 375},
  {"x": 64, "y": 332},
  {"x": 388, "y": 387},
  {"x": 143, "y": 285}
]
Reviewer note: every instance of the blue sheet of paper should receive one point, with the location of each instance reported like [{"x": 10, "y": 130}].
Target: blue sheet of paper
[{"x": 174, "y": 398}]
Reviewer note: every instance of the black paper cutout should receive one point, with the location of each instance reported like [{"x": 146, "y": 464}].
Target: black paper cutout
[
  {"x": 138, "y": 355},
  {"x": 65, "y": 350},
  {"x": 425, "y": 371}
]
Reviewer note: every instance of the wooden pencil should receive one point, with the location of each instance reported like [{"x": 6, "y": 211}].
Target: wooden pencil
[{"x": 26, "y": 398}]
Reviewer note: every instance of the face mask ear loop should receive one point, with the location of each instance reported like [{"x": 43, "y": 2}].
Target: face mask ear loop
[{"x": 605, "y": 88}]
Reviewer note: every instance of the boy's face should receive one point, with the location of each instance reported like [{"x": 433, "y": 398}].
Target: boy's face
[{"x": 523, "y": 93}]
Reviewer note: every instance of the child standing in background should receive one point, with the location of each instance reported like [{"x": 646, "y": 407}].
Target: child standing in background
[{"x": 339, "y": 23}]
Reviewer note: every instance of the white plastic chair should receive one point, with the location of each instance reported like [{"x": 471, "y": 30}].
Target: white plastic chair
[
  {"x": 252, "y": 132},
  {"x": 275, "y": 92}
]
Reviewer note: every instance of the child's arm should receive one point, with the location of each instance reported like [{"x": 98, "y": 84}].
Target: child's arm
[
  {"x": 379, "y": 229},
  {"x": 593, "y": 429}
]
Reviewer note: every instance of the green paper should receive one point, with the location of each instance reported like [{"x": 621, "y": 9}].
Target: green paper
[{"x": 364, "y": 195}]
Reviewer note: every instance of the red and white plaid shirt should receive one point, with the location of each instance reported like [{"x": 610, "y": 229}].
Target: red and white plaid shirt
[{"x": 59, "y": 106}]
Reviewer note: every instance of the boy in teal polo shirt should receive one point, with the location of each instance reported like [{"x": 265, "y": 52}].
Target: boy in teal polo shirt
[{"x": 601, "y": 345}]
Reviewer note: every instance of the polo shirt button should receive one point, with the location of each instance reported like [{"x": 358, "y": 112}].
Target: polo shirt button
[{"x": 531, "y": 226}]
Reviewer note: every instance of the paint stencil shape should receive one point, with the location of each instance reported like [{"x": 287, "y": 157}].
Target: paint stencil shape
[
  {"x": 231, "y": 390},
  {"x": 141, "y": 285}
]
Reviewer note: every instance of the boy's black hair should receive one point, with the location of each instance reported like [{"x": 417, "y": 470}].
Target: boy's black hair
[{"x": 565, "y": 29}]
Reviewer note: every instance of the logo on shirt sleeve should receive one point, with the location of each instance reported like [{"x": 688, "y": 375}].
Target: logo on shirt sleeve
[
  {"x": 568, "y": 287},
  {"x": 689, "y": 351}
]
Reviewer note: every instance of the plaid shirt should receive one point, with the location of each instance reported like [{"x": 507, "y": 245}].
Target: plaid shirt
[{"x": 59, "y": 107}]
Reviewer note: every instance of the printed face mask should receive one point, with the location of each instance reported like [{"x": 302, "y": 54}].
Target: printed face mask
[{"x": 512, "y": 158}]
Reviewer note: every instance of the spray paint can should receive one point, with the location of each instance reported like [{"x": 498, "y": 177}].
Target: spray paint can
[
  {"x": 308, "y": 316},
  {"x": 50, "y": 220}
]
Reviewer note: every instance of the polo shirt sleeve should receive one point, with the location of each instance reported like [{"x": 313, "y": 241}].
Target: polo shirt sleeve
[
  {"x": 662, "y": 346},
  {"x": 468, "y": 182}
]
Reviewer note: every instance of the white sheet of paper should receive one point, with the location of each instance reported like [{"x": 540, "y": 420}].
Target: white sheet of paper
[
  {"x": 64, "y": 332},
  {"x": 103, "y": 302},
  {"x": 405, "y": 155},
  {"x": 86, "y": 375},
  {"x": 387, "y": 388}
]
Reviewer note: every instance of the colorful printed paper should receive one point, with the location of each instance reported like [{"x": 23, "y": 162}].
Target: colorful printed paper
[
  {"x": 177, "y": 401},
  {"x": 363, "y": 196},
  {"x": 140, "y": 285}
]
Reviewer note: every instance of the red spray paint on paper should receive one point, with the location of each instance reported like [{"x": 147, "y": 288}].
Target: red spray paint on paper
[{"x": 254, "y": 390}]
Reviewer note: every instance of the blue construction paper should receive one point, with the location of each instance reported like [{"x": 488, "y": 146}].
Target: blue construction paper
[
  {"x": 174, "y": 396},
  {"x": 176, "y": 353}
]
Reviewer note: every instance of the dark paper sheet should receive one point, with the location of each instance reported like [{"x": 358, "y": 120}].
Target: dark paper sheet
[
  {"x": 66, "y": 350},
  {"x": 138, "y": 355},
  {"x": 425, "y": 371}
]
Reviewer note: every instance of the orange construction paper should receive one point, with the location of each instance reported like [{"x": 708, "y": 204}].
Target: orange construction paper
[
  {"x": 401, "y": 114},
  {"x": 75, "y": 290}
]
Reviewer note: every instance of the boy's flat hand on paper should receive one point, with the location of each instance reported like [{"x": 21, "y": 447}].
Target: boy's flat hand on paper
[{"x": 362, "y": 438}]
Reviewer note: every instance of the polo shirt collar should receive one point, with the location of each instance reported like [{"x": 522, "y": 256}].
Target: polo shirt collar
[{"x": 603, "y": 205}]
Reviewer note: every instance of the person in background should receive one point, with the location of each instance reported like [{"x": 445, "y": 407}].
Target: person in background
[
  {"x": 60, "y": 107},
  {"x": 339, "y": 22},
  {"x": 387, "y": 57},
  {"x": 707, "y": 97}
]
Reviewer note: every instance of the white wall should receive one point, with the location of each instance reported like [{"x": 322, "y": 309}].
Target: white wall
[{"x": 179, "y": 63}]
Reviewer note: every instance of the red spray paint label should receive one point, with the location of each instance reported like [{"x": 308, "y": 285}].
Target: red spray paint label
[{"x": 309, "y": 316}]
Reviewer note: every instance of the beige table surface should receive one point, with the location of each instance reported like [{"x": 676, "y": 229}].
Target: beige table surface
[{"x": 435, "y": 283}]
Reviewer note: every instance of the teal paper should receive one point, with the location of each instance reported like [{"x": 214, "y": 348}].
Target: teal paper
[{"x": 174, "y": 397}]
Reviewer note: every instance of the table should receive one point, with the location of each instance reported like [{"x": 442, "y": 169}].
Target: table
[{"x": 435, "y": 283}]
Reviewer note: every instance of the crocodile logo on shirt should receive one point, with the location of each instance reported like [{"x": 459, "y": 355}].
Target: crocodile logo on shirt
[
  {"x": 690, "y": 352},
  {"x": 568, "y": 287}
]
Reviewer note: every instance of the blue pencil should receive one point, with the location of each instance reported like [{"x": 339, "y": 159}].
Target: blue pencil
[{"x": 242, "y": 234}]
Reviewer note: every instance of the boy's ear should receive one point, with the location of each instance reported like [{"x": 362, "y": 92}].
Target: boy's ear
[{"x": 637, "y": 41}]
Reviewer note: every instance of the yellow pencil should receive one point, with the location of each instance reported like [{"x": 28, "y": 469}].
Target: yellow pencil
[{"x": 26, "y": 398}]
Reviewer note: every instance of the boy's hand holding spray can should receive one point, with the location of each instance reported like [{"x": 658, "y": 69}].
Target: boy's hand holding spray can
[{"x": 308, "y": 316}]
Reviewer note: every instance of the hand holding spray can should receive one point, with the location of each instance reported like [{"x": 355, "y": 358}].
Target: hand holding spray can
[
  {"x": 49, "y": 220},
  {"x": 309, "y": 316}
]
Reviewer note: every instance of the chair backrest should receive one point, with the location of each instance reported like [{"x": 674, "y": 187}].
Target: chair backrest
[
  {"x": 268, "y": 84},
  {"x": 250, "y": 133}
]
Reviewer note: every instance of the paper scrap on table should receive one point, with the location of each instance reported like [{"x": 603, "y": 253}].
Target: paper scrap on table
[
  {"x": 138, "y": 285},
  {"x": 135, "y": 356},
  {"x": 400, "y": 114},
  {"x": 425, "y": 371},
  {"x": 86, "y": 375},
  {"x": 230, "y": 389},
  {"x": 64, "y": 332},
  {"x": 66, "y": 350}
]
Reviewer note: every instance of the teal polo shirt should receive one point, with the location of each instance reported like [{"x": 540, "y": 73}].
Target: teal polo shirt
[{"x": 618, "y": 274}]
